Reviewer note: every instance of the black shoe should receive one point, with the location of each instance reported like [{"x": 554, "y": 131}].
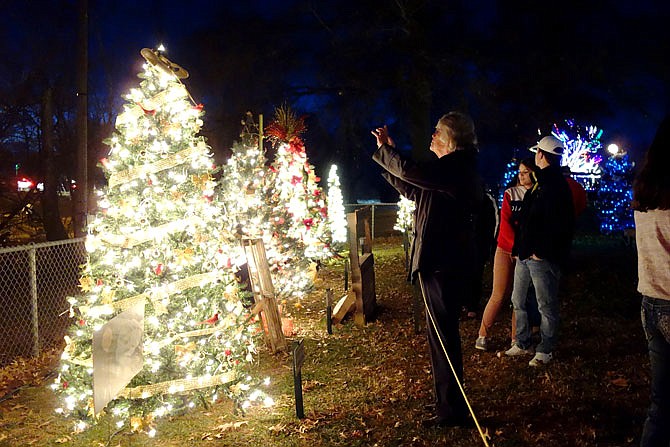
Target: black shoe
[{"x": 451, "y": 421}]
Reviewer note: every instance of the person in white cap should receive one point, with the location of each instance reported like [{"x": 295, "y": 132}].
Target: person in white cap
[{"x": 542, "y": 247}]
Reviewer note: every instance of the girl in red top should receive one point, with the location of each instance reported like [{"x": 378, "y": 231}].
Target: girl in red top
[{"x": 503, "y": 263}]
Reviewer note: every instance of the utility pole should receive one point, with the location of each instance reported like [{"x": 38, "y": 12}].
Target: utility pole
[{"x": 80, "y": 211}]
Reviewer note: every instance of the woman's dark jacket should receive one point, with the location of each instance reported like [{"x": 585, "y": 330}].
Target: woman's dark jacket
[
  {"x": 448, "y": 193},
  {"x": 547, "y": 219}
]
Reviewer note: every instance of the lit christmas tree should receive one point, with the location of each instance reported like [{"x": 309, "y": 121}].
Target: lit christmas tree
[
  {"x": 159, "y": 267},
  {"x": 508, "y": 180},
  {"x": 247, "y": 193},
  {"x": 609, "y": 182},
  {"x": 405, "y": 224},
  {"x": 243, "y": 191},
  {"x": 615, "y": 193},
  {"x": 336, "y": 215},
  {"x": 405, "y": 219},
  {"x": 296, "y": 186}
]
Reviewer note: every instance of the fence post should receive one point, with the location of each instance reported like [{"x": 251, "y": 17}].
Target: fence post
[
  {"x": 372, "y": 230},
  {"x": 33, "y": 297}
]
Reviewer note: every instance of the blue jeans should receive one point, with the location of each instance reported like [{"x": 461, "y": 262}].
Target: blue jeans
[
  {"x": 656, "y": 324},
  {"x": 544, "y": 276}
]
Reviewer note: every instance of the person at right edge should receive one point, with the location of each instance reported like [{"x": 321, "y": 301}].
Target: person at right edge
[
  {"x": 651, "y": 205},
  {"x": 448, "y": 192},
  {"x": 542, "y": 247}
]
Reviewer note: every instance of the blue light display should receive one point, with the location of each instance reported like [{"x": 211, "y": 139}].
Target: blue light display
[
  {"x": 614, "y": 195},
  {"x": 607, "y": 178}
]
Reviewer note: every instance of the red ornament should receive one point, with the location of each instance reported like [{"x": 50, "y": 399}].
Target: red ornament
[
  {"x": 159, "y": 269},
  {"x": 296, "y": 145},
  {"x": 81, "y": 322},
  {"x": 199, "y": 106},
  {"x": 149, "y": 182},
  {"x": 295, "y": 180},
  {"x": 211, "y": 320},
  {"x": 308, "y": 222},
  {"x": 227, "y": 352},
  {"x": 98, "y": 282},
  {"x": 317, "y": 193},
  {"x": 317, "y": 179},
  {"x": 65, "y": 384},
  {"x": 273, "y": 169},
  {"x": 324, "y": 212}
]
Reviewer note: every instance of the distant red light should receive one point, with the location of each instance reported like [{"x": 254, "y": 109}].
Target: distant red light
[{"x": 24, "y": 184}]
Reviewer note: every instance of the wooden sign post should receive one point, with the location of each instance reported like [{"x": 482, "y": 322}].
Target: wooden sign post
[
  {"x": 346, "y": 275},
  {"x": 329, "y": 311},
  {"x": 298, "y": 360},
  {"x": 406, "y": 244},
  {"x": 362, "y": 266},
  {"x": 264, "y": 294}
]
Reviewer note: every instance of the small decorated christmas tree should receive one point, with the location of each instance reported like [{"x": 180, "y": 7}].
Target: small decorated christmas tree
[
  {"x": 247, "y": 193},
  {"x": 244, "y": 187},
  {"x": 405, "y": 220},
  {"x": 296, "y": 186},
  {"x": 160, "y": 325},
  {"x": 337, "y": 218}
]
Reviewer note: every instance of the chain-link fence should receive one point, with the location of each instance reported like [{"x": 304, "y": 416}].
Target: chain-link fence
[
  {"x": 35, "y": 281},
  {"x": 384, "y": 216}
]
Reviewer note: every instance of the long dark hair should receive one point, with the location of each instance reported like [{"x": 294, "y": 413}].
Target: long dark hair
[
  {"x": 529, "y": 162},
  {"x": 651, "y": 187}
]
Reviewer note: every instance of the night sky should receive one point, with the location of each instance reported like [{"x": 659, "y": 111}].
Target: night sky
[{"x": 516, "y": 67}]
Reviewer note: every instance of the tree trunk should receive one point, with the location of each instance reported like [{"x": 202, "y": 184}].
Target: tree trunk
[
  {"x": 80, "y": 195},
  {"x": 418, "y": 100},
  {"x": 53, "y": 226}
]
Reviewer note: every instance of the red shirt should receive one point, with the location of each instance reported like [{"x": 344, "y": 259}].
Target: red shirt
[
  {"x": 578, "y": 195},
  {"x": 509, "y": 216}
]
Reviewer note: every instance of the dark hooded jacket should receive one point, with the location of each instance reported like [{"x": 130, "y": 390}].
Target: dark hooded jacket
[
  {"x": 448, "y": 193},
  {"x": 547, "y": 219}
]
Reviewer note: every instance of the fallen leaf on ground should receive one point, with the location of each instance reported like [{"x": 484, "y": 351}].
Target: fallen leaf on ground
[{"x": 620, "y": 382}]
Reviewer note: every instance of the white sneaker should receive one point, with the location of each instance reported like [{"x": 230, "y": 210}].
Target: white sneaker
[
  {"x": 481, "y": 344},
  {"x": 516, "y": 350},
  {"x": 540, "y": 359}
]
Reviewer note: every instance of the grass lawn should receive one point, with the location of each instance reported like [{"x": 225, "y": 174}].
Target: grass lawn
[{"x": 367, "y": 386}]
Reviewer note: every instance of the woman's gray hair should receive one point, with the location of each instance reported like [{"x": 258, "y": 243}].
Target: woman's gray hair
[{"x": 461, "y": 130}]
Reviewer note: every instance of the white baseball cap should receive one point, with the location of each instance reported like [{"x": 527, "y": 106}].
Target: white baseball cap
[{"x": 549, "y": 144}]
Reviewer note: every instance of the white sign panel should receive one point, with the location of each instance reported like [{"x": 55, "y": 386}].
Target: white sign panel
[{"x": 117, "y": 354}]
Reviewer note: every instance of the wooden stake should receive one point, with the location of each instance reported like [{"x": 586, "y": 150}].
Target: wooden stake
[
  {"x": 298, "y": 360},
  {"x": 329, "y": 311},
  {"x": 260, "y": 132}
]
